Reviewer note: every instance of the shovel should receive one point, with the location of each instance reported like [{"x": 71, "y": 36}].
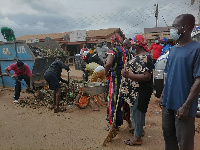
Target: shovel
[{"x": 28, "y": 90}]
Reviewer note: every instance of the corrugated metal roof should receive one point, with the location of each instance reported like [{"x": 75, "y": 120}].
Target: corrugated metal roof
[
  {"x": 43, "y": 36},
  {"x": 101, "y": 32},
  {"x": 151, "y": 36},
  {"x": 90, "y": 33},
  {"x": 157, "y": 29}
]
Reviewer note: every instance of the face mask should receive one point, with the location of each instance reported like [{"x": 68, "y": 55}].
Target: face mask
[
  {"x": 174, "y": 34},
  {"x": 156, "y": 41},
  {"x": 133, "y": 50},
  {"x": 162, "y": 44}
]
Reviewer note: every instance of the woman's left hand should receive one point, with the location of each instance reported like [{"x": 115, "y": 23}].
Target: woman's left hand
[{"x": 125, "y": 73}]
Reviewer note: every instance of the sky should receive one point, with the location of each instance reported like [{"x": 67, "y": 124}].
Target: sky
[{"x": 28, "y": 17}]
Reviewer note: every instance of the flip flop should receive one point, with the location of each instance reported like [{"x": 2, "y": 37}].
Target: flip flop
[
  {"x": 107, "y": 128},
  {"x": 131, "y": 131},
  {"x": 131, "y": 143}
]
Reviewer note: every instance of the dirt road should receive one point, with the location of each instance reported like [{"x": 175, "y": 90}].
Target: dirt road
[{"x": 41, "y": 129}]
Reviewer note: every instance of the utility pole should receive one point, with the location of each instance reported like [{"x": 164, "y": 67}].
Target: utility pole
[
  {"x": 156, "y": 14},
  {"x": 192, "y": 2}
]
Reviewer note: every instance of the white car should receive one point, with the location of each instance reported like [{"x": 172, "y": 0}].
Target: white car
[{"x": 158, "y": 75}]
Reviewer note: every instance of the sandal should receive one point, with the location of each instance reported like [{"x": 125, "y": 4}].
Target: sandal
[
  {"x": 131, "y": 143},
  {"x": 107, "y": 128}
]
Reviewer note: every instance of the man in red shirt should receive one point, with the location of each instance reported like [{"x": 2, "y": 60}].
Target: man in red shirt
[
  {"x": 157, "y": 49},
  {"x": 21, "y": 71}
]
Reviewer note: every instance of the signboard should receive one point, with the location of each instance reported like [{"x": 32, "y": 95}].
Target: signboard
[
  {"x": 32, "y": 40},
  {"x": 78, "y": 35}
]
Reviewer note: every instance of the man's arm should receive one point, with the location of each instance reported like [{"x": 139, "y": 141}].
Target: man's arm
[
  {"x": 151, "y": 47},
  {"x": 62, "y": 65},
  {"x": 183, "y": 111},
  {"x": 8, "y": 72},
  {"x": 29, "y": 73},
  {"x": 81, "y": 51}
]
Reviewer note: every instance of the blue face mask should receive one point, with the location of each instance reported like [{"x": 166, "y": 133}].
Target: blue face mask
[
  {"x": 156, "y": 41},
  {"x": 132, "y": 50},
  {"x": 174, "y": 34},
  {"x": 162, "y": 44}
]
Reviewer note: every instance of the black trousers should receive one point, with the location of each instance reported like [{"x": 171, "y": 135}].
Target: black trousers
[
  {"x": 18, "y": 85},
  {"x": 177, "y": 133}
]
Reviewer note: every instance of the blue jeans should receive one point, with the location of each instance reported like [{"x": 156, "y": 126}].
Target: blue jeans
[{"x": 138, "y": 119}]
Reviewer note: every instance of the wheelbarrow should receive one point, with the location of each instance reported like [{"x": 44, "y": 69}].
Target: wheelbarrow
[{"x": 88, "y": 91}]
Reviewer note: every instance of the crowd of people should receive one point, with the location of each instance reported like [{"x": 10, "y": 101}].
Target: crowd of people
[
  {"x": 128, "y": 69},
  {"x": 127, "y": 66}
]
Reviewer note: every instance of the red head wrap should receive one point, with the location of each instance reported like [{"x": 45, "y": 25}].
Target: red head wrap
[
  {"x": 115, "y": 39},
  {"x": 140, "y": 40}
]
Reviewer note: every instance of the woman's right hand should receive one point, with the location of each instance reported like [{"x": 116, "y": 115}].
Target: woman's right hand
[{"x": 124, "y": 73}]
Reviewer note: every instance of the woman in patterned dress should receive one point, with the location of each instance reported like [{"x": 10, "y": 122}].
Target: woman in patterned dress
[{"x": 137, "y": 87}]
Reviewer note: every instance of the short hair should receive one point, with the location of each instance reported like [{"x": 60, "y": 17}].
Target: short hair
[
  {"x": 20, "y": 64},
  {"x": 187, "y": 19}
]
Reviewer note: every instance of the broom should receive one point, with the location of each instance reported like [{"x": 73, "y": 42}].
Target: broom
[{"x": 112, "y": 133}]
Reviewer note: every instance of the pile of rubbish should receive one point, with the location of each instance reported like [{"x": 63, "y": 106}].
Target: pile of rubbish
[
  {"x": 46, "y": 49},
  {"x": 44, "y": 96},
  {"x": 43, "y": 53}
]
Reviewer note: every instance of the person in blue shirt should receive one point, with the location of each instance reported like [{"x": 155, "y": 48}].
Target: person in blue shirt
[
  {"x": 181, "y": 90},
  {"x": 166, "y": 47},
  {"x": 53, "y": 76}
]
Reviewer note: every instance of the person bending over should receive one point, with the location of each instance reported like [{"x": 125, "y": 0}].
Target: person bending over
[{"x": 53, "y": 76}]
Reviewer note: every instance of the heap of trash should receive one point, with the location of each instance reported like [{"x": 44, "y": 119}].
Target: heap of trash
[
  {"x": 44, "y": 97},
  {"x": 46, "y": 49},
  {"x": 40, "y": 52}
]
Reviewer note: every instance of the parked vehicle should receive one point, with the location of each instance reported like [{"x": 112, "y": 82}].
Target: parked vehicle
[{"x": 159, "y": 77}]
